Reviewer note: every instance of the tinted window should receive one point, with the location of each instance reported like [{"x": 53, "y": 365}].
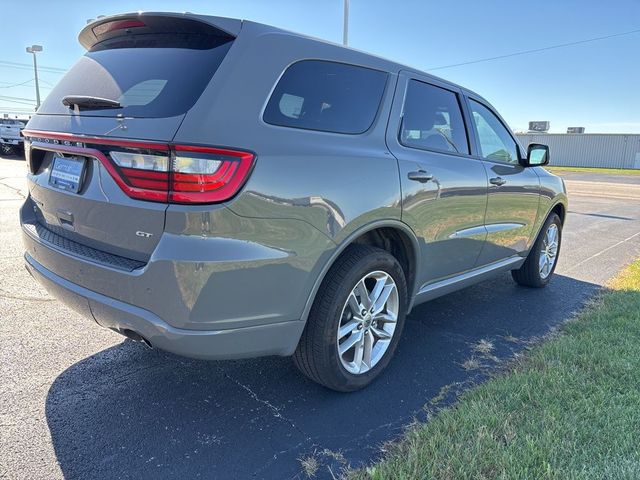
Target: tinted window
[
  {"x": 156, "y": 75},
  {"x": 327, "y": 96},
  {"x": 432, "y": 119},
  {"x": 495, "y": 141}
]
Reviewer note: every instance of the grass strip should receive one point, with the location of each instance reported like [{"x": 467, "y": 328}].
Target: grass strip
[
  {"x": 567, "y": 409},
  {"x": 615, "y": 171}
]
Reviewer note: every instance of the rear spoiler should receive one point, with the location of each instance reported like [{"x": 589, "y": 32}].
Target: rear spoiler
[{"x": 153, "y": 22}]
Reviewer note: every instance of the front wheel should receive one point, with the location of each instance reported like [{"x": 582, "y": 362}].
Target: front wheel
[
  {"x": 356, "y": 320},
  {"x": 541, "y": 262}
]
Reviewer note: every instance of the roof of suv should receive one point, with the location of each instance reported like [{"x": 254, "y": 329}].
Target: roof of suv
[{"x": 233, "y": 26}]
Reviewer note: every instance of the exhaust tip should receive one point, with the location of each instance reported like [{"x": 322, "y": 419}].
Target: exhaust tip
[{"x": 132, "y": 335}]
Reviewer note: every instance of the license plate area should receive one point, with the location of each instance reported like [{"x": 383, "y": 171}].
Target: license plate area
[{"x": 67, "y": 173}]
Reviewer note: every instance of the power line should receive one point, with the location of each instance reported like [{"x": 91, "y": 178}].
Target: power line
[
  {"x": 20, "y": 67},
  {"x": 32, "y": 105},
  {"x": 534, "y": 50},
  {"x": 19, "y": 64},
  {"x": 6, "y": 108},
  {"x": 17, "y": 84},
  {"x": 17, "y": 100},
  {"x": 51, "y": 72},
  {"x": 22, "y": 84}
]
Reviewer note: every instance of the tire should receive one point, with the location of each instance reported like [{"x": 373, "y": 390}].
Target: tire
[
  {"x": 530, "y": 273},
  {"x": 317, "y": 355},
  {"x": 6, "y": 149}
]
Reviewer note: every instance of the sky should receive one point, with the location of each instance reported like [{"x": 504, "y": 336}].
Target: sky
[{"x": 595, "y": 85}]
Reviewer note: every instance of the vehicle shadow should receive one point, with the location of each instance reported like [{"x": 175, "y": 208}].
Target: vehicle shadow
[
  {"x": 132, "y": 412},
  {"x": 13, "y": 156}
]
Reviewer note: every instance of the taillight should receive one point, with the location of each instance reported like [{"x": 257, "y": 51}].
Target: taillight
[
  {"x": 186, "y": 174},
  {"x": 158, "y": 172},
  {"x": 144, "y": 176},
  {"x": 205, "y": 175}
]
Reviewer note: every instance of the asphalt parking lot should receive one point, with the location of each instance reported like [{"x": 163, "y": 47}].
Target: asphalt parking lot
[{"x": 81, "y": 402}]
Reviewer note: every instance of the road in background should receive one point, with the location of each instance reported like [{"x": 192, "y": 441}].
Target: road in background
[
  {"x": 78, "y": 401},
  {"x": 600, "y": 178}
]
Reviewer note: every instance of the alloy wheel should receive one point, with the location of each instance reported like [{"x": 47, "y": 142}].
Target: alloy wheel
[
  {"x": 549, "y": 251},
  {"x": 368, "y": 321}
]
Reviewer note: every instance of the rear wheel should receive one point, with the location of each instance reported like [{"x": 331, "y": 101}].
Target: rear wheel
[
  {"x": 356, "y": 320},
  {"x": 543, "y": 257}
]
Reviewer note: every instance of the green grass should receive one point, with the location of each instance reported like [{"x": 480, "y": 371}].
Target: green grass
[
  {"x": 568, "y": 409},
  {"x": 617, "y": 171}
]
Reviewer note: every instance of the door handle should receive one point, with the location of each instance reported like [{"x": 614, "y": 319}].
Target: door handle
[
  {"x": 498, "y": 181},
  {"x": 420, "y": 176}
]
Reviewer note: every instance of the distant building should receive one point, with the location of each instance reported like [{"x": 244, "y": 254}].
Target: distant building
[
  {"x": 575, "y": 129},
  {"x": 588, "y": 149}
]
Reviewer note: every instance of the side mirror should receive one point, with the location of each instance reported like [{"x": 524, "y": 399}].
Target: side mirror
[{"x": 537, "y": 155}]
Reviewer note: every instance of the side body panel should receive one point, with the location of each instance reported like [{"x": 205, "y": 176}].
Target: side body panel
[
  {"x": 335, "y": 182},
  {"x": 336, "y": 185},
  {"x": 512, "y": 212},
  {"x": 446, "y": 212},
  {"x": 552, "y": 193},
  {"x": 513, "y": 206}
]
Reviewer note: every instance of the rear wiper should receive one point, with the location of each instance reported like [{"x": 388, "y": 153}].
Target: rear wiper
[{"x": 85, "y": 101}]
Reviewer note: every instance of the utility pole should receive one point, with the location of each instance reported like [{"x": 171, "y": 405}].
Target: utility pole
[
  {"x": 345, "y": 31},
  {"x": 33, "y": 49}
]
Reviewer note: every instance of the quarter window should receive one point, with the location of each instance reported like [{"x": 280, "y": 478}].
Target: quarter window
[
  {"x": 495, "y": 141},
  {"x": 326, "y": 96},
  {"x": 432, "y": 119}
]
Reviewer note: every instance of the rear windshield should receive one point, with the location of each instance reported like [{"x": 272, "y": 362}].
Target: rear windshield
[
  {"x": 155, "y": 75},
  {"x": 326, "y": 96}
]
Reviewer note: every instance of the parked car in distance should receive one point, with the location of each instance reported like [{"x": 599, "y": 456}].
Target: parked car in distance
[
  {"x": 286, "y": 197},
  {"x": 11, "y": 141}
]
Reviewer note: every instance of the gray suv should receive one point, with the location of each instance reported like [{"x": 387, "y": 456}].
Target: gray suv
[{"x": 224, "y": 189}]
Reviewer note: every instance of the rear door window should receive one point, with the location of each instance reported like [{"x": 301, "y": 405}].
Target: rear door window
[
  {"x": 432, "y": 119},
  {"x": 326, "y": 96},
  {"x": 154, "y": 75}
]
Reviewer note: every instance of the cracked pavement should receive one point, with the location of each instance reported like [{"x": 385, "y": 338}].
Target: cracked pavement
[{"x": 78, "y": 401}]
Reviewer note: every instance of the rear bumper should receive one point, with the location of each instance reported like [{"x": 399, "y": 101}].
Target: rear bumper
[
  {"x": 272, "y": 339},
  {"x": 252, "y": 272}
]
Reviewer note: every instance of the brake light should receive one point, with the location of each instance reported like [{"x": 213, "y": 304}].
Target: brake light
[
  {"x": 186, "y": 174},
  {"x": 206, "y": 175},
  {"x": 116, "y": 25},
  {"x": 139, "y": 173}
]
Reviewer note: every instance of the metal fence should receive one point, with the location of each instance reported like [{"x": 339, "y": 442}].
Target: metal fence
[{"x": 588, "y": 149}]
